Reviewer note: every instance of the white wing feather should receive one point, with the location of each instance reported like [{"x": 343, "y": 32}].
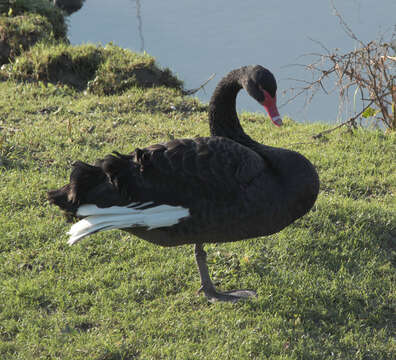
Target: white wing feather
[{"x": 120, "y": 217}]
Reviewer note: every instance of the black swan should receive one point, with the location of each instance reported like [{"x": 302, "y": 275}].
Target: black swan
[{"x": 225, "y": 187}]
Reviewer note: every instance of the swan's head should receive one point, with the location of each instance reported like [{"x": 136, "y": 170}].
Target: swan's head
[{"x": 261, "y": 85}]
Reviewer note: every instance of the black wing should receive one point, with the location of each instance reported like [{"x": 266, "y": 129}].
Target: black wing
[{"x": 183, "y": 171}]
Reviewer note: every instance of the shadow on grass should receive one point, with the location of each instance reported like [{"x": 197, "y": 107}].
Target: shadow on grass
[{"x": 332, "y": 270}]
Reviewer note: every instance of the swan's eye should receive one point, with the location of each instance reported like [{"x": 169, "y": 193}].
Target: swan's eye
[
  {"x": 254, "y": 90},
  {"x": 268, "y": 91}
]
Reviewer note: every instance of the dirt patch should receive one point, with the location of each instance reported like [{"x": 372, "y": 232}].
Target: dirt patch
[{"x": 19, "y": 33}]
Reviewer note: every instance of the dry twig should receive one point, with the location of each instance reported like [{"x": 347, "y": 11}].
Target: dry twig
[
  {"x": 369, "y": 70},
  {"x": 193, "y": 91}
]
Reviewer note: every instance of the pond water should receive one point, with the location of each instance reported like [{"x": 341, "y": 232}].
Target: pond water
[{"x": 197, "y": 38}]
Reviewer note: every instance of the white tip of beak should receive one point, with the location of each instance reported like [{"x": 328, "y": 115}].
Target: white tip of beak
[{"x": 277, "y": 120}]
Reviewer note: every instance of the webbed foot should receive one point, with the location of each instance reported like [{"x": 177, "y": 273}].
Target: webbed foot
[
  {"x": 207, "y": 286},
  {"x": 232, "y": 296}
]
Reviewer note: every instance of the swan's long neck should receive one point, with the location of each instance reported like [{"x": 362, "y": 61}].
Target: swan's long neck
[
  {"x": 223, "y": 118},
  {"x": 293, "y": 172}
]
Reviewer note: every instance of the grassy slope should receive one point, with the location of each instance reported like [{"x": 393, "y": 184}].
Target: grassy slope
[{"x": 326, "y": 284}]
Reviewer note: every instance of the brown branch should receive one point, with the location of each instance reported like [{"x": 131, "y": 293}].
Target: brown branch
[
  {"x": 321, "y": 45},
  {"x": 193, "y": 91},
  {"x": 345, "y": 26},
  {"x": 374, "y": 89},
  {"x": 350, "y": 120},
  {"x": 366, "y": 68}
]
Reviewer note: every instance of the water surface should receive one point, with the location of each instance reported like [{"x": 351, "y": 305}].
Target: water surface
[{"x": 197, "y": 38}]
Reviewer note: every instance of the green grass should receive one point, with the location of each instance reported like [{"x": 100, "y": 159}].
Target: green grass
[
  {"x": 21, "y": 32},
  {"x": 326, "y": 284},
  {"x": 99, "y": 70},
  {"x": 42, "y": 7}
]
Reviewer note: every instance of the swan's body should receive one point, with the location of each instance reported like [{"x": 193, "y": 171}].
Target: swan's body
[{"x": 222, "y": 188}]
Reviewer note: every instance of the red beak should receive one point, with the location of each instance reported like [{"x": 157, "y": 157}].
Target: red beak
[{"x": 270, "y": 105}]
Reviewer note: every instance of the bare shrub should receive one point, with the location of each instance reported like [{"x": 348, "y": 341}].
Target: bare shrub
[{"x": 367, "y": 72}]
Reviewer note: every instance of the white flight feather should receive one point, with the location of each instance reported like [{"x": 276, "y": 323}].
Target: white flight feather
[{"x": 119, "y": 217}]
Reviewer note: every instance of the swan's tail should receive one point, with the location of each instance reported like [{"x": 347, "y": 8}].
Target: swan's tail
[
  {"x": 109, "y": 182},
  {"x": 120, "y": 217},
  {"x": 87, "y": 183},
  {"x": 103, "y": 195}
]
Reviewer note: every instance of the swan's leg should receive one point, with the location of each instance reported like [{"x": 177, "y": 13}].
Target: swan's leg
[{"x": 207, "y": 286}]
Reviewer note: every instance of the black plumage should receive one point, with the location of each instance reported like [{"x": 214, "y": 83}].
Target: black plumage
[{"x": 233, "y": 187}]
